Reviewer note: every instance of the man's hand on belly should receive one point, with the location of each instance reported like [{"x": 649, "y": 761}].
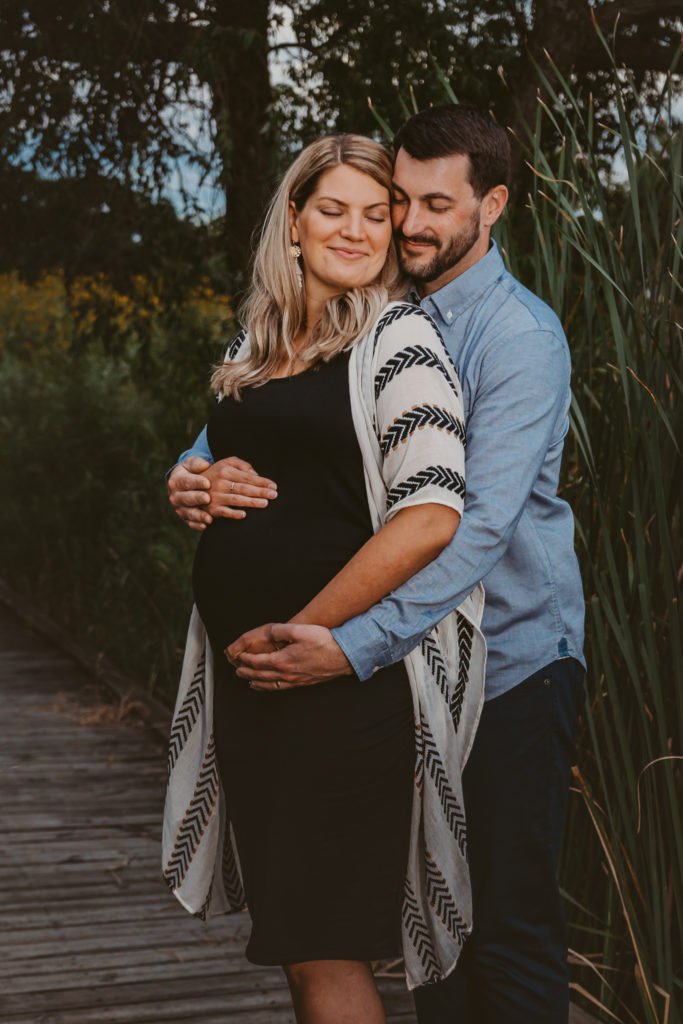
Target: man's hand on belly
[{"x": 292, "y": 655}]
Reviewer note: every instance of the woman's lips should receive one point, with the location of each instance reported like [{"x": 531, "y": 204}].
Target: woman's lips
[{"x": 348, "y": 254}]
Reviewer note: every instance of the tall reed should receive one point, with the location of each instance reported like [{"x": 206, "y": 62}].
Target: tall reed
[{"x": 608, "y": 260}]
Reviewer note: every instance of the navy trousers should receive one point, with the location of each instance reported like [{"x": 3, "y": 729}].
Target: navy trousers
[{"x": 513, "y": 968}]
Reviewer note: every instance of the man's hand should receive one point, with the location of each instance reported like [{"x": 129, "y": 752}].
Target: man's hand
[
  {"x": 199, "y": 491},
  {"x": 188, "y": 492},
  {"x": 305, "y": 655}
]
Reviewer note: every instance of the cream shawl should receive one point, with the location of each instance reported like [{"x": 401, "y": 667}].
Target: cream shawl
[{"x": 407, "y": 413}]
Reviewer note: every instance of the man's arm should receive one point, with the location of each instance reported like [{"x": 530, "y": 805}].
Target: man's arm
[
  {"x": 200, "y": 450},
  {"x": 519, "y": 411},
  {"x": 403, "y": 545}
]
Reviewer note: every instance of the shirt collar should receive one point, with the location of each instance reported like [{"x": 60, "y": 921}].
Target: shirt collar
[{"x": 465, "y": 289}]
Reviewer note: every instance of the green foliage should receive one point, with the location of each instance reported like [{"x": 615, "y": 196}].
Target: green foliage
[
  {"x": 85, "y": 439},
  {"x": 610, "y": 264}
]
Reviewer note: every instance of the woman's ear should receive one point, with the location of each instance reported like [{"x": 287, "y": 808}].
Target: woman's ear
[{"x": 293, "y": 231}]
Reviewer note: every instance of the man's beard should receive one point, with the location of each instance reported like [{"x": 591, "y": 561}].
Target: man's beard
[{"x": 444, "y": 258}]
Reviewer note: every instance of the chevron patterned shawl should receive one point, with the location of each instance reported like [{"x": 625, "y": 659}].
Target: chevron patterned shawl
[{"x": 407, "y": 412}]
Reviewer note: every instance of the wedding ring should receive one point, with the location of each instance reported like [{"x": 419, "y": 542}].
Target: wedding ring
[
  {"x": 277, "y": 683},
  {"x": 232, "y": 486}
]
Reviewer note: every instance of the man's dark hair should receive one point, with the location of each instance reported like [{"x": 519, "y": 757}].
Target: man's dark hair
[{"x": 451, "y": 128}]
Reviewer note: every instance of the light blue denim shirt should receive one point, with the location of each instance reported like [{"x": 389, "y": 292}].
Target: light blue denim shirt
[{"x": 516, "y": 535}]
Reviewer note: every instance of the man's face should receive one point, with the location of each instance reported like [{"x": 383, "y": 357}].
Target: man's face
[{"x": 436, "y": 218}]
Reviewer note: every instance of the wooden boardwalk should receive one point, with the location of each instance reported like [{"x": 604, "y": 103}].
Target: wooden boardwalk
[{"x": 89, "y": 934}]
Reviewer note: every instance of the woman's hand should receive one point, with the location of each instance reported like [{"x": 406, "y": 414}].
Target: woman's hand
[
  {"x": 255, "y": 641},
  {"x": 235, "y": 486},
  {"x": 284, "y": 656}
]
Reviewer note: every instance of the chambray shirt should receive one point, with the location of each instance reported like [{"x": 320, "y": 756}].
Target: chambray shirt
[{"x": 516, "y": 535}]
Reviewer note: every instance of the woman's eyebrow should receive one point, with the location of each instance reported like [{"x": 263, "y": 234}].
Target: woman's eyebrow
[{"x": 341, "y": 202}]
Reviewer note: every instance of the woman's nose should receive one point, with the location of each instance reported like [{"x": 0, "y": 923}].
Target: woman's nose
[{"x": 353, "y": 226}]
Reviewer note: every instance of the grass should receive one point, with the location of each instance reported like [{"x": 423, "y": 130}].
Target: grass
[
  {"x": 609, "y": 262},
  {"x": 94, "y": 409}
]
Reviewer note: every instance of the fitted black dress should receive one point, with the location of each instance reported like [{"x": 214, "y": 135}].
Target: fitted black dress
[{"x": 318, "y": 780}]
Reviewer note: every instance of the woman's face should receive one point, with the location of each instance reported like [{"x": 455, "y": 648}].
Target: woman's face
[{"x": 344, "y": 230}]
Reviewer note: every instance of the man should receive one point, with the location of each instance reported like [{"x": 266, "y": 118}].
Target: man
[{"x": 516, "y": 535}]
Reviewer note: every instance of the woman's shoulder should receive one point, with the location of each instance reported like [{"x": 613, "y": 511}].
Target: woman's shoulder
[
  {"x": 235, "y": 346},
  {"x": 407, "y": 338},
  {"x": 403, "y": 321}
]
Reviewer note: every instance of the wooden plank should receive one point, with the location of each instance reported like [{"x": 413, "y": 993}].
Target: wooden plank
[
  {"x": 254, "y": 990},
  {"x": 39, "y": 821},
  {"x": 187, "y": 1011},
  {"x": 97, "y": 911},
  {"x": 155, "y": 975},
  {"x": 91, "y": 849},
  {"x": 62, "y": 962},
  {"x": 50, "y": 942}
]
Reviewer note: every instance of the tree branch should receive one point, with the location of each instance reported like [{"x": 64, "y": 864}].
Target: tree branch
[
  {"x": 292, "y": 46},
  {"x": 154, "y": 42},
  {"x": 632, "y": 11},
  {"x": 637, "y": 54}
]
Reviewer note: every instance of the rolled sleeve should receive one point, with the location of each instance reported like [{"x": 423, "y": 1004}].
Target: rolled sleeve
[{"x": 200, "y": 448}]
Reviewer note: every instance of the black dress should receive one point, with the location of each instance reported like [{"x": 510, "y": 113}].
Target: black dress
[{"x": 318, "y": 780}]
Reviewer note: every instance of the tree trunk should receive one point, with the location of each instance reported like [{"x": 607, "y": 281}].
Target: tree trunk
[{"x": 241, "y": 92}]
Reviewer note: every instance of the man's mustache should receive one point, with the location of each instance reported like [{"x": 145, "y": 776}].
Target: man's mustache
[{"x": 421, "y": 239}]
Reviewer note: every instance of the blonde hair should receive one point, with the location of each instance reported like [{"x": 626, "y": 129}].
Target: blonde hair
[{"x": 275, "y": 308}]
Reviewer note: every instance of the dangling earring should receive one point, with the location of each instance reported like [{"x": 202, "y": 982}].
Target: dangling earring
[{"x": 295, "y": 250}]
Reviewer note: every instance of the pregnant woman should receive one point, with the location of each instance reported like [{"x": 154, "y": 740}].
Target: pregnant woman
[{"x": 333, "y": 810}]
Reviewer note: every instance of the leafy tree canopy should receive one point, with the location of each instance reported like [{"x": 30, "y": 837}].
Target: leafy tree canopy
[{"x": 115, "y": 95}]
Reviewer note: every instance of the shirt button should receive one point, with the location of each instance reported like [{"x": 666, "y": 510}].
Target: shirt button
[{"x": 449, "y": 315}]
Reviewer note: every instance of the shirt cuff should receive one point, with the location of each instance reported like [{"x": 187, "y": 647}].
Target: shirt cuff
[{"x": 364, "y": 645}]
